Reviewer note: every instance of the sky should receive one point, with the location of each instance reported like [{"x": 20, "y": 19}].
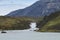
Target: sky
[{"x": 6, "y": 6}]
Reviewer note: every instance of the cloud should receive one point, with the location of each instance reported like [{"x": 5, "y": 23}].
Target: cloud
[
  {"x": 16, "y": 2},
  {"x": 7, "y": 6}
]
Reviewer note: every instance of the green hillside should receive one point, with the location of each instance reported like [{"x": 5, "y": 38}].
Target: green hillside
[
  {"x": 10, "y": 23},
  {"x": 16, "y": 23},
  {"x": 50, "y": 23}
]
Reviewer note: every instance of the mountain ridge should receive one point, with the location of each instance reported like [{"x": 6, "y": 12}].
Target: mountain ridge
[{"x": 39, "y": 8}]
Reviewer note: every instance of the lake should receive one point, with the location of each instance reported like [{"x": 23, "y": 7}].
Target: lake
[{"x": 29, "y": 34}]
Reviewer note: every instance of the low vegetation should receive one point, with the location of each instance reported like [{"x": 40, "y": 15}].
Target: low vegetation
[
  {"x": 10, "y": 23},
  {"x": 16, "y": 23},
  {"x": 50, "y": 23}
]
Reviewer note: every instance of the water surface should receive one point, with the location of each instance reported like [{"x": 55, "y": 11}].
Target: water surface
[{"x": 29, "y": 35}]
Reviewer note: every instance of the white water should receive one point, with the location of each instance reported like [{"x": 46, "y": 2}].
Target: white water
[
  {"x": 33, "y": 26},
  {"x": 29, "y": 35}
]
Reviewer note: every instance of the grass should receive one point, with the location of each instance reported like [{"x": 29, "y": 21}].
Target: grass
[{"x": 52, "y": 25}]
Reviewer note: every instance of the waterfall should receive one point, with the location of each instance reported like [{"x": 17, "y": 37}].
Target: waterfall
[{"x": 33, "y": 26}]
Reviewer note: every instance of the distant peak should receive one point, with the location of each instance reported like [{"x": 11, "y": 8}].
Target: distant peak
[{"x": 49, "y": 0}]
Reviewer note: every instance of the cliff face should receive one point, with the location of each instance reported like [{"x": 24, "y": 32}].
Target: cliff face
[{"x": 40, "y": 8}]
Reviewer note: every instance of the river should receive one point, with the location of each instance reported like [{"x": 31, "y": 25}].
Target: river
[{"x": 29, "y": 35}]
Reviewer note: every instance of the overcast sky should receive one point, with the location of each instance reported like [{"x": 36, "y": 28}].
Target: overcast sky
[{"x": 7, "y": 6}]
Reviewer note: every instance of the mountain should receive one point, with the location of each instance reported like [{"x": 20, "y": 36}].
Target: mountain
[
  {"x": 39, "y": 8},
  {"x": 50, "y": 23}
]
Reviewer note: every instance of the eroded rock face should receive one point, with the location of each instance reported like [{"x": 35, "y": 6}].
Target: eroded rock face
[{"x": 40, "y": 8}]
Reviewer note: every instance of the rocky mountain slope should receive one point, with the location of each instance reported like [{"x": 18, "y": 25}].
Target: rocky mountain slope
[{"x": 40, "y": 8}]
